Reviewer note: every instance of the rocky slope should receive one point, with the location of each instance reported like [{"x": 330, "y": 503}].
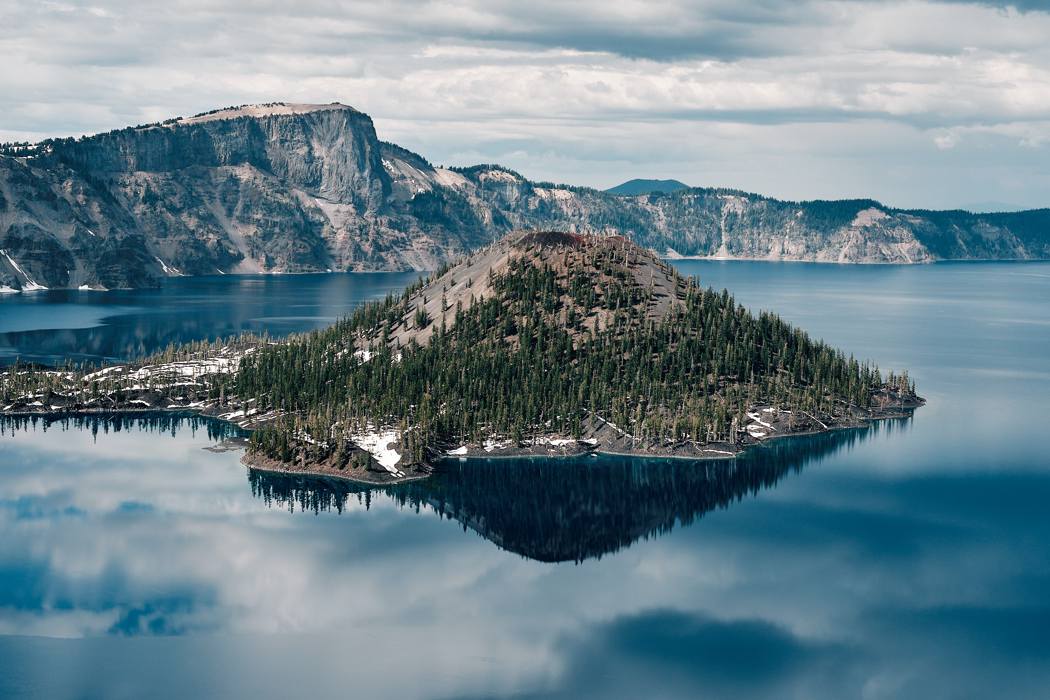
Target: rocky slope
[{"x": 295, "y": 188}]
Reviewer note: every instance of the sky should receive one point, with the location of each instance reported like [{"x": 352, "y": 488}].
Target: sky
[{"x": 916, "y": 103}]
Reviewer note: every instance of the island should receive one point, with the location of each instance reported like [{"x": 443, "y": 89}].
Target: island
[{"x": 543, "y": 343}]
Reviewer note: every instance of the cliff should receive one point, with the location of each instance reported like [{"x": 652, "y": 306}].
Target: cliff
[{"x": 299, "y": 188}]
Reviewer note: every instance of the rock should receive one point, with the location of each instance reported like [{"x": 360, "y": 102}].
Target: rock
[{"x": 297, "y": 188}]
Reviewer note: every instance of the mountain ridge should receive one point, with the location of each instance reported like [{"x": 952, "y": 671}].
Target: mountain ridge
[{"x": 284, "y": 187}]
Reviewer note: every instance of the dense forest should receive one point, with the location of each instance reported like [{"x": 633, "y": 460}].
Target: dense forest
[
  {"x": 539, "y": 337},
  {"x": 552, "y": 349}
]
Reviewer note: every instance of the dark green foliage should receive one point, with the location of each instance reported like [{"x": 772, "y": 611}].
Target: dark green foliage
[
  {"x": 532, "y": 360},
  {"x": 68, "y": 380},
  {"x": 636, "y": 187},
  {"x": 421, "y": 318},
  {"x": 447, "y": 208}
]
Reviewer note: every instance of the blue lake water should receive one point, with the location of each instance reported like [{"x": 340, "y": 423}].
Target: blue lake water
[
  {"x": 87, "y": 326},
  {"x": 906, "y": 560}
]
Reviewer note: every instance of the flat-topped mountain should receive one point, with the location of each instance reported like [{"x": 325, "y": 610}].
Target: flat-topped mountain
[
  {"x": 258, "y": 111},
  {"x": 300, "y": 188}
]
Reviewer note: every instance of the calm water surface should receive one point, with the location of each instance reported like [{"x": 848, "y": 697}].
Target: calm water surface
[
  {"x": 906, "y": 560},
  {"x": 84, "y": 326}
]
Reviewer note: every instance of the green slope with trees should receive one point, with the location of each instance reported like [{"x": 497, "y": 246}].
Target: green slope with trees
[{"x": 567, "y": 336}]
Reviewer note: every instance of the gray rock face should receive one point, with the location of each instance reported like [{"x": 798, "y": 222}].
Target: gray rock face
[{"x": 298, "y": 188}]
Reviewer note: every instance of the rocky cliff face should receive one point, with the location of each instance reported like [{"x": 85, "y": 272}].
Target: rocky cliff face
[
  {"x": 295, "y": 188},
  {"x": 721, "y": 223},
  {"x": 281, "y": 188}
]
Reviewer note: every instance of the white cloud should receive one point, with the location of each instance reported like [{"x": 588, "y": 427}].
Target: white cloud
[{"x": 583, "y": 92}]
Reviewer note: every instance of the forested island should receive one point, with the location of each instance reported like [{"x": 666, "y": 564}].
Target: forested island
[{"x": 542, "y": 343}]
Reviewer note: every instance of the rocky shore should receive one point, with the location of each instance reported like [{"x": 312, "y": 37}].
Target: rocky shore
[{"x": 380, "y": 464}]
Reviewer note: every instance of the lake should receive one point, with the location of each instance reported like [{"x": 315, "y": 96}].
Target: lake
[
  {"x": 88, "y": 326},
  {"x": 909, "y": 559}
]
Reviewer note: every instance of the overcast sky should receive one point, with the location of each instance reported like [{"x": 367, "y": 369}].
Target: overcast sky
[{"x": 917, "y": 103}]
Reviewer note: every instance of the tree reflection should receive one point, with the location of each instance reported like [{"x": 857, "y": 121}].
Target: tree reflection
[
  {"x": 545, "y": 509},
  {"x": 573, "y": 509},
  {"x": 169, "y": 422}
]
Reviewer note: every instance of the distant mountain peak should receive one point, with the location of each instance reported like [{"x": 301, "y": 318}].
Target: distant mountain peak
[{"x": 639, "y": 186}]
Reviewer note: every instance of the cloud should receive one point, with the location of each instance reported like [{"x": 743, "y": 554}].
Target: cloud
[
  {"x": 1022, "y": 5},
  {"x": 576, "y": 91},
  {"x": 865, "y": 575}
]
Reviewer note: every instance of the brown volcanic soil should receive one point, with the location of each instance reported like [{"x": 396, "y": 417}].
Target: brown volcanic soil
[{"x": 469, "y": 281}]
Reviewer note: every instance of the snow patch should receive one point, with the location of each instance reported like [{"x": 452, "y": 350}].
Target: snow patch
[
  {"x": 555, "y": 442},
  {"x": 30, "y": 285},
  {"x": 494, "y": 444},
  {"x": 755, "y": 417},
  {"x": 377, "y": 444},
  {"x": 169, "y": 271}
]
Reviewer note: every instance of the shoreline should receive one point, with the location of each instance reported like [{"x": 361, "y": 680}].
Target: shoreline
[
  {"x": 423, "y": 470},
  {"x": 265, "y": 464},
  {"x": 662, "y": 255},
  {"x": 917, "y": 263}
]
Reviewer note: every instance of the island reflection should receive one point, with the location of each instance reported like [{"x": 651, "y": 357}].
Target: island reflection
[
  {"x": 544, "y": 509},
  {"x": 168, "y": 422},
  {"x": 555, "y": 510}
]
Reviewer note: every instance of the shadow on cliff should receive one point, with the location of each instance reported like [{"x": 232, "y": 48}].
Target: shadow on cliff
[{"x": 573, "y": 509}]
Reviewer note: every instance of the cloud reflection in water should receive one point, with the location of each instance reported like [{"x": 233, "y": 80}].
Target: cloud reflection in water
[{"x": 791, "y": 591}]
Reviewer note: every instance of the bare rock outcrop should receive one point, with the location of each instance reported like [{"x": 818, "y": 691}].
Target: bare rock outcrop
[{"x": 299, "y": 188}]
